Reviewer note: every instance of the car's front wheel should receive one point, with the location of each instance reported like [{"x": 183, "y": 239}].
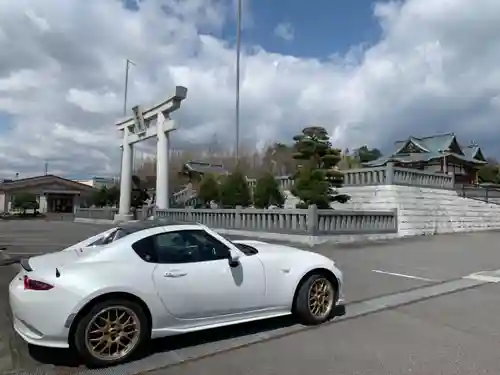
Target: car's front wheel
[
  {"x": 315, "y": 300},
  {"x": 111, "y": 332}
]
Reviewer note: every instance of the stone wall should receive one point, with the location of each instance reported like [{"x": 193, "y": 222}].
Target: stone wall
[{"x": 425, "y": 210}]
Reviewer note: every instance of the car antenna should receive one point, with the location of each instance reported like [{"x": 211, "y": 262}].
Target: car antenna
[{"x": 58, "y": 273}]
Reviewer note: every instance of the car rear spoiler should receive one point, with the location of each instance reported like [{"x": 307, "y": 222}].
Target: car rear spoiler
[{"x": 25, "y": 263}]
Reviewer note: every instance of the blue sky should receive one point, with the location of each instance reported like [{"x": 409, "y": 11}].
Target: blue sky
[
  {"x": 325, "y": 28},
  {"x": 5, "y": 122},
  {"x": 321, "y": 27}
]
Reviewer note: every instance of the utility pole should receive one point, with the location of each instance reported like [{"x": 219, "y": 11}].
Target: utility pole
[{"x": 238, "y": 49}]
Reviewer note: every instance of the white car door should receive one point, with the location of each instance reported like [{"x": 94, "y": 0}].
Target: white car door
[{"x": 195, "y": 280}]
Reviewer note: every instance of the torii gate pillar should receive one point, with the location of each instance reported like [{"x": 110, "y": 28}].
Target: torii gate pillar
[{"x": 140, "y": 127}]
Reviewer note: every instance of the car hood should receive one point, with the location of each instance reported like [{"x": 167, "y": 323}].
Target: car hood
[{"x": 271, "y": 248}]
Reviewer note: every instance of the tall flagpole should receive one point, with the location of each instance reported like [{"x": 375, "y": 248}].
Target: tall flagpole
[
  {"x": 125, "y": 95},
  {"x": 127, "y": 68},
  {"x": 238, "y": 49}
]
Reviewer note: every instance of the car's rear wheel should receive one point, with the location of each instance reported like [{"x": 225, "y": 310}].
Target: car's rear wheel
[
  {"x": 111, "y": 332},
  {"x": 315, "y": 300}
]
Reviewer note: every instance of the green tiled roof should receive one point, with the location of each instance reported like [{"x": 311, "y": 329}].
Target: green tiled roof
[
  {"x": 422, "y": 157},
  {"x": 432, "y": 148},
  {"x": 436, "y": 143},
  {"x": 473, "y": 152}
]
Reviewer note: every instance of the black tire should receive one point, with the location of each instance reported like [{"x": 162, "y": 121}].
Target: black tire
[
  {"x": 301, "y": 305},
  {"x": 80, "y": 333}
]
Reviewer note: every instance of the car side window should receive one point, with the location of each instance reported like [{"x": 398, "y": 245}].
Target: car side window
[
  {"x": 145, "y": 248},
  {"x": 209, "y": 248},
  {"x": 187, "y": 246},
  {"x": 172, "y": 248}
]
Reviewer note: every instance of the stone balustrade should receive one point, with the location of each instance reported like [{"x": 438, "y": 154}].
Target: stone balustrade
[
  {"x": 284, "y": 182},
  {"x": 391, "y": 175},
  {"x": 106, "y": 213},
  {"x": 309, "y": 221}
]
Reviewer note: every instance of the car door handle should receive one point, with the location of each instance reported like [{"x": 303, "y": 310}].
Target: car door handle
[{"x": 175, "y": 274}]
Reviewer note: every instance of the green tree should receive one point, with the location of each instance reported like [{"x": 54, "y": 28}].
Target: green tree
[
  {"x": 235, "y": 191},
  {"x": 209, "y": 190},
  {"x": 267, "y": 192},
  {"x": 365, "y": 155},
  {"x": 25, "y": 201},
  {"x": 99, "y": 198},
  {"x": 489, "y": 173},
  {"x": 113, "y": 196},
  {"x": 317, "y": 177}
]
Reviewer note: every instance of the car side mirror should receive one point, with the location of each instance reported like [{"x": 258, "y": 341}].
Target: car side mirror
[{"x": 233, "y": 258}]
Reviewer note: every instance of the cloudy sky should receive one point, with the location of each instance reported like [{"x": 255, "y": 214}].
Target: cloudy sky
[{"x": 368, "y": 72}]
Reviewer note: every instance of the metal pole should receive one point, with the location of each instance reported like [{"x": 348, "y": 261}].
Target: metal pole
[
  {"x": 238, "y": 48},
  {"x": 127, "y": 68}
]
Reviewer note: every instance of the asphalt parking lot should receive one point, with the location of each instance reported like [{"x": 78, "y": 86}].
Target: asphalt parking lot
[{"x": 390, "y": 328}]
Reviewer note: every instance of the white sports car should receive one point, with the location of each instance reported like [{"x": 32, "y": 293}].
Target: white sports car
[{"x": 108, "y": 295}]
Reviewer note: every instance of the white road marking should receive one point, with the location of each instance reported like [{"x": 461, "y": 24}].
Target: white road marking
[
  {"x": 28, "y": 254},
  {"x": 403, "y": 275},
  {"x": 9, "y": 254},
  {"x": 485, "y": 278}
]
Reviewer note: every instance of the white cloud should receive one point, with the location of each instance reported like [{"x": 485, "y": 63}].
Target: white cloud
[
  {"x": 434, "y": 69},
  {"x": 284, "y": 31}
]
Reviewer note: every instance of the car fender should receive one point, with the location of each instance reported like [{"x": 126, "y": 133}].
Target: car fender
[
  {"x": 119, "y": 281},
  {"x": 299, "y": 276}
]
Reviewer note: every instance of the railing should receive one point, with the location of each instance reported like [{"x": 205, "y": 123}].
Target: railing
[
  {"x": 365, "y": 176},
  {"x": 489, "y": 194},
  {"x": 391, "y": 175},
  {"x": 284, "y": 182},
  {"x": 309, "y": 221},
  {"x": 96, "y": 213},
  {"x": 182, "y": 196}
]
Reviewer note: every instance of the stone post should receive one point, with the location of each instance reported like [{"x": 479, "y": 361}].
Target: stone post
[
  {"x": 237, "y": 217},
  {"x": 389, "y": 173},
  {"x": 162, "y": 162},
  {"x": 312, "y": 220},
  {"x": 124, "y": 213}
]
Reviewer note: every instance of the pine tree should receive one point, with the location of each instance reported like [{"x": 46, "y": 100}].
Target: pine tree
[
  {"x": 317, "y": 177},
  {"x": 267, "y": 192},
  {"x": 235, "y": 191},
  {"x": 209, "y": 190}
]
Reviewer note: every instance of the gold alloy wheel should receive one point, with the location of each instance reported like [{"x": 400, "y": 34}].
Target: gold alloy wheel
[
  {"x": 112, "y": 333},
  {"x": 321, "y": 296}
]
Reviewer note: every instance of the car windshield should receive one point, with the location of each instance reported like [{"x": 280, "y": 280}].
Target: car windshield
[{"x": 109, "y": 237}]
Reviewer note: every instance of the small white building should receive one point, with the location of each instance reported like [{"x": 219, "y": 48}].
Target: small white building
[
  {"x": 99, "y": 182},
  {"x": 53, "y": 193}
]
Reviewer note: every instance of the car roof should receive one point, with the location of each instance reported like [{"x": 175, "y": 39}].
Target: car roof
[{"x": 136, "y": 226}]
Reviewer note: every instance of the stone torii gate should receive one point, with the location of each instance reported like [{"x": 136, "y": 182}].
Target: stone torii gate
[{"x": 137, "y": 128}]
